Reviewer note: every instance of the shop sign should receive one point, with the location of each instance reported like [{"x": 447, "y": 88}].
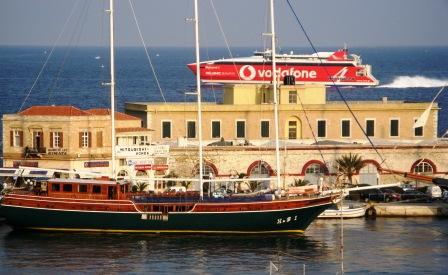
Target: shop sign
[
  {"x": 57, "y": 151},
  {"x": 91, "y": 164},
  {"x": 26, "y": 163},
  {"x": 157, "y": 167},
  {"x": 142, "y": 151},
  {"x": 133, "y": 162}
]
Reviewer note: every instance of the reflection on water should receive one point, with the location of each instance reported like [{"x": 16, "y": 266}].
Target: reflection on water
[{"x": 380, "y": 246}]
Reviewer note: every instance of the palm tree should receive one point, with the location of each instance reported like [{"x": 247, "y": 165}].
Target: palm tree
[
  {"x": 141, "y": 185},
  {"x": 348, "y": 165}
]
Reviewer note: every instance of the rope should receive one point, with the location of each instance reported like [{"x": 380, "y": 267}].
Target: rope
[
  {"x": 337, "y": 88},
  {"x": 224, "y": 36},
  {"x": 312, "y": 132},
  {"x": 146, "y": 50},
  {"x": 49, "y": 56}
]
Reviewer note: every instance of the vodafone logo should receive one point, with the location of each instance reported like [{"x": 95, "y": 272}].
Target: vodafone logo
[{"x": 247, "y": 72}]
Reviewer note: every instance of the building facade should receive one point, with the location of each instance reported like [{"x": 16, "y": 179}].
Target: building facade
[{"x": 68, "y": 138}]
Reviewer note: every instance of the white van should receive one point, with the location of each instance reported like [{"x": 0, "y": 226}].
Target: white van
[{"x": 434, "y": 192}]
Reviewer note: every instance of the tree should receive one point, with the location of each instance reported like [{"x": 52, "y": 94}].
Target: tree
[
  {"x": 171, "y": 175},
  {"x": 348, "y": 165},
  {"x": 141, "y": 185}
]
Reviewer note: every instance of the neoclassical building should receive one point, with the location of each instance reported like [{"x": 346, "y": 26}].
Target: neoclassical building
[{"x": 313, "y": 133}]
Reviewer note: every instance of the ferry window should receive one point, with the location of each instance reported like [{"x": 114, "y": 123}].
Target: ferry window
[
  {"x": 241, "y": 129},
  {"x": 166, "y": 129},
  {"x": 321, "y": 128},
  {"x": 345, "y": 128},
  {"x": 55, "y": 187},
  {"x": 191, "y": 129},
  {"x": 96, "y": 189},
  {"x": 82, "y": 188},
  {"x": 418, "y": 132},
  {"x": 292, "y": 96},
  {"x": 370, "y": 127},
  {"x": 394, "y": 127},
  {"x": 216, "y": 129},
  {"x": 17, "y": 138},
  {"x": 67, "y": 188}
]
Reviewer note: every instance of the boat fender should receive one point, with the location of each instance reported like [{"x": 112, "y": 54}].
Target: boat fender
[{"x": 370, "y": 213}]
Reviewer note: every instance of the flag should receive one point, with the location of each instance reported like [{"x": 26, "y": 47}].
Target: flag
[{"x": 421, "y": 121}]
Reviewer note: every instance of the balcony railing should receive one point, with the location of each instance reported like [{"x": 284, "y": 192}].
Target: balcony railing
[{"x": 34, "y": 152}]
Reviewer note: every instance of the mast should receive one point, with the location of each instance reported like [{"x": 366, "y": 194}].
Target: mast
[
  {"x": 274, "y": 88},
  {"x": 198, "y": 92},
  {"x": 112, "y": 83}
]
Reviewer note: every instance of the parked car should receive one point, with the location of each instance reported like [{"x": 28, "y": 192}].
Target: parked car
[
  {"x": 382, "y": 195},
  {"x": 434, "y": 192},
  {"x": 413, "y": 195},
  {"x": 408, "y": 187}
]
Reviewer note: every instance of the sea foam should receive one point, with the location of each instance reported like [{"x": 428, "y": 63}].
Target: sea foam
[{"x": 415, "y": 82}]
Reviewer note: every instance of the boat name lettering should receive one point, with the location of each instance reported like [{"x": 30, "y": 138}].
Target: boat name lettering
[{"x": 286, "y": 220}]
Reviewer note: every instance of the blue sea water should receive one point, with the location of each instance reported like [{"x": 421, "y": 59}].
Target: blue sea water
[{"x": 74, "y": 76}]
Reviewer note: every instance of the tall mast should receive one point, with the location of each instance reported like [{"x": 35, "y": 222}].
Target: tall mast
[
  {"x": 198, "y": 92},
  {"x": 112, "y": 83},
  {"x": 274, "y": 88}
]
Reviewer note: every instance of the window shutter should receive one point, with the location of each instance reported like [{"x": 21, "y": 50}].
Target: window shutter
[
  {"x": 80, "y": 139},
  {"x": 11, "y": 138},
  {"x": 41, "y": 145},
  {"x": 51, "y": 139},
  {"x": 21, "y": 138},
  {"x": 90, "y": 139},
  {"x": 99, "y": 139},
  {"x": 61, "y": 140}
]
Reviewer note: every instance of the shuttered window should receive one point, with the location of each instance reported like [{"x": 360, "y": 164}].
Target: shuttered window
[
  {"x": 216, "y": 129},
  {"x": 56, "y": 140},
  {"x": 16, "y": 138},
  {"x": 264, "y": 129},
  {"x": 345, "y": 128},
  {"x": 191, "y": 129},
  {"x": 394, "y": 127},
  {"x": 370, "y": 127},
  {"x": 321, "y": 128},
  {"x": 85, "y": 139},
  {"x": 166, "y": 129},
  {"x": 99, "y": 139},
  {"x": 241, "y": 129}
]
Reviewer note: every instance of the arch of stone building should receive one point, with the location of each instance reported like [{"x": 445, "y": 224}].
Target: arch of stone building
[
  {"x": 141, "y": 173},
  {"x": 430, "y": 162},
  {"x": 206, "y": 163},
  {"x": 374, "y": 162},
  {"x": 263, "y": 163},
  {"x": 315, "y": 161}
]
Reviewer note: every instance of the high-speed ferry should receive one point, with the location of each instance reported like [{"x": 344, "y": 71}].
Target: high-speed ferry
[{"x": 330, "y": 68}]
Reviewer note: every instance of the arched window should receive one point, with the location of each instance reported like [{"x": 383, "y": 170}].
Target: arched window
[
  {"x": 141, "y": 173},
  {"x": 293, "y": 128},
  {"x": 423, "y": 167},
  {"x": 314, "y": 168},
  {"x": 208, "y": 170},
  {"x": 369, "y": 174},
  {"x": 314, "y": 171},
  {"x": 260, "y": 168}
]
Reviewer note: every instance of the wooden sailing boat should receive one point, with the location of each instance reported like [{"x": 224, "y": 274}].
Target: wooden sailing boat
[{"x": 103, "y": 205}]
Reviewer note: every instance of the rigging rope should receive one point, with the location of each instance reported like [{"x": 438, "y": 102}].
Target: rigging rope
[
  {"x": 49, "y": 55},
  {"x": 224, "y": 36},
  {"x": 146, "y": 50},
  {"x": 337, "y": 88}
]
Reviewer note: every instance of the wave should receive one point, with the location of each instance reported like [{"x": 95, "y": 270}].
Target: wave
[{"x": 415, "y": 82}]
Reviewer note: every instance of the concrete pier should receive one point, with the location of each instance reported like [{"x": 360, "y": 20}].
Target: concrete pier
[{"x": 409, "y": 209}]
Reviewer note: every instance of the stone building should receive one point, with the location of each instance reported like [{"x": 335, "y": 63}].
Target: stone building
[
  {"x": 67, "y": 138},
  {"x": 313, "y": 133}
]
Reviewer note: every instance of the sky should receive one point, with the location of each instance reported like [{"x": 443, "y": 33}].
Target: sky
[{"x": 357, "y": 23}]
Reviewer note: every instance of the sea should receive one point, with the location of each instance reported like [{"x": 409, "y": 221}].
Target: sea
[{"x": 78, "y": 76}]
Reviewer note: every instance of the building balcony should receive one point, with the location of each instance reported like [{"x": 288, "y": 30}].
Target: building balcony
[{"x": 34, "y": 152}]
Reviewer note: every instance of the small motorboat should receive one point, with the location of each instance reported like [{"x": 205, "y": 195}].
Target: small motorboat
[{"x": 349, "y": 210}]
